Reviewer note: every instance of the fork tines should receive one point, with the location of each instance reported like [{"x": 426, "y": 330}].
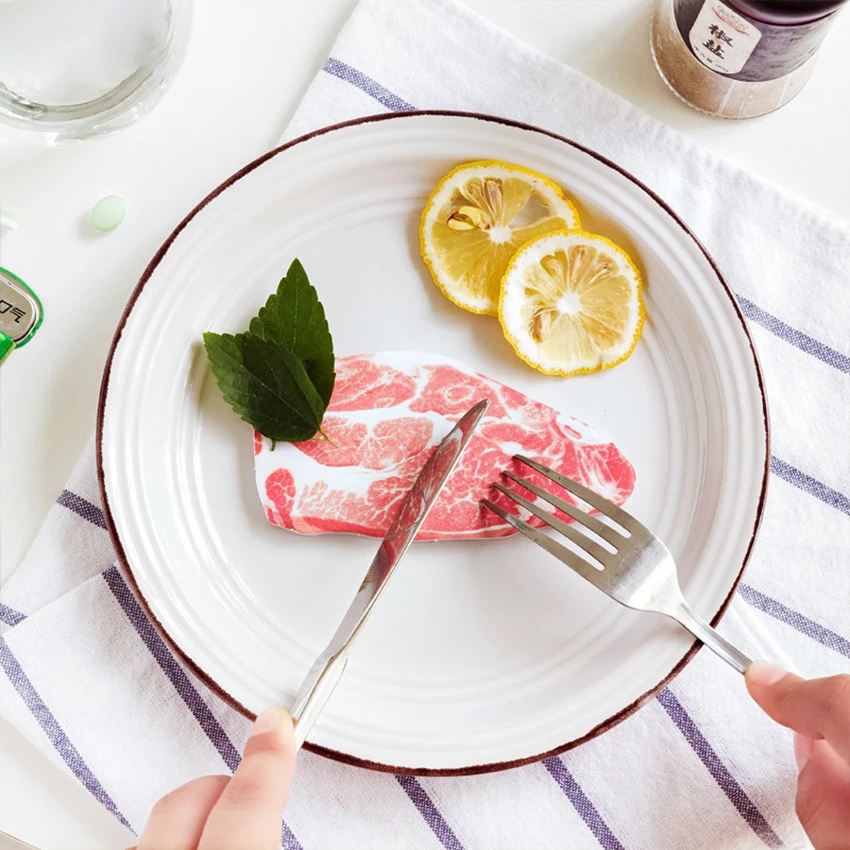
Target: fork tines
[
  {"x": 638, "y": 570},
  {"x": 587, "y": 495},
  {"x": 598, "y": 553}
]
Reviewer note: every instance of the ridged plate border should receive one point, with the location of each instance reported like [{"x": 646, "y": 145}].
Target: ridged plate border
[{"x": 202, "y": 675}]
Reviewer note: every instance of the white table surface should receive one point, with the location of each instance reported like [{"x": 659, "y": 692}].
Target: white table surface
[{"x": 247, "y": 66}]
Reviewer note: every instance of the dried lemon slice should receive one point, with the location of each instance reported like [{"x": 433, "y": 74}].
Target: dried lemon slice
[
  {"x": 571, "y": 302},
  {"x": 477, "y": 218}
]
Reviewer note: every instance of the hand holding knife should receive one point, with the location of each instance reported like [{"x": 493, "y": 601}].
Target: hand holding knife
[{"x": 328, "y": 667}]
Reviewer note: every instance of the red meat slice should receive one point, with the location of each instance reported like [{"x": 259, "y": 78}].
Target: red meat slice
[
  {"x": 361, "y": 384},
  {"x": 388, "y": 413}
]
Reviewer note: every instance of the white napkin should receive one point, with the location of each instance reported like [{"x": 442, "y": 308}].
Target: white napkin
[{"x": 91, "y": 683}]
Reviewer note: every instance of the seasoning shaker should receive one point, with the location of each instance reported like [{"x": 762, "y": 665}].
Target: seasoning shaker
[{"x": 738, "y": 58}]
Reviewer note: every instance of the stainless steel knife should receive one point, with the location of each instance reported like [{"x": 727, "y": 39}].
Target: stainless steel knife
[{"x": 328, "y": 667}]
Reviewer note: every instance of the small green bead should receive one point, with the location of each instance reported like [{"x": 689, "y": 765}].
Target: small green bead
[{"x": 108, "y": 213}]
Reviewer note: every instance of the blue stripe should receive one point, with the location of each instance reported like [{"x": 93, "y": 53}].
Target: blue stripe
[
  {"x": 50, "y": 725},
  {"x": 288, "y": 841},
  {"x": 794, "y": 337},
  {"x": 82, "y": 507},
  {"x": 366, "y": 84},
  {"x": 171, "y": 667},
  {"x": 809, "y": 485},
  {"x": 729, "y": 785},
  {"x": 824, "y": 636},
  {"x": 426, "y": 807},
  {"x": 10, "y": 616},
  {"x": 582, "y": 804},
  {"x": 180, "y": 681}
]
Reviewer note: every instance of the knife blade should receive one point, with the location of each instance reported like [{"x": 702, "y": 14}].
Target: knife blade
[{"x": 328, "y": 667}]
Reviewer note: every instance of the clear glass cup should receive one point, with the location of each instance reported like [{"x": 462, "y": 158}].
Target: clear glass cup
[{"x": 72, "y": 69}]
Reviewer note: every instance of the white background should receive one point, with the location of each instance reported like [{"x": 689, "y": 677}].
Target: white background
[{"x": 247, "y": 67}]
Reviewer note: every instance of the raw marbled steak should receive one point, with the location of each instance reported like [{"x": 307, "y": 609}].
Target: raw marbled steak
[{"x": 388, "y": 413}]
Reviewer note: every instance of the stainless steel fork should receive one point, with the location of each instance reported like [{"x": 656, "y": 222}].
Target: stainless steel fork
[{"x": 640, "y": 573}]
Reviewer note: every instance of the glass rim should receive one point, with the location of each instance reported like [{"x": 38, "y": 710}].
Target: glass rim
[{"x": 121, "y": 105}]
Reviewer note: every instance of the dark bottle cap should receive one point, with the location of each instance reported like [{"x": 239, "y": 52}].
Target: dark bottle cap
[{"x": 786, "y": 12}]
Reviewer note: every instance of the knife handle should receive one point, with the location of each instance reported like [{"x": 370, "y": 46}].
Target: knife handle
[{"x": 315, "y": 691}]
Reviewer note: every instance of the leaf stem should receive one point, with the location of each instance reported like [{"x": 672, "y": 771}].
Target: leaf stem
[{"x": 326, "y": 437}]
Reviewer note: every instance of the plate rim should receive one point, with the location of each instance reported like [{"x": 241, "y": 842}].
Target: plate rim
[{"x": 206, "y": 678}]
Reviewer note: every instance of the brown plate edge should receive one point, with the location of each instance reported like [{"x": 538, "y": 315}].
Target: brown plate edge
[{"x": 337, "y": 755}]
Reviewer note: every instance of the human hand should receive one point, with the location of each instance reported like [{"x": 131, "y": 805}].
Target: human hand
[
  {"x": 818, "y": 710},
  {"x": 242, "y": 812}
]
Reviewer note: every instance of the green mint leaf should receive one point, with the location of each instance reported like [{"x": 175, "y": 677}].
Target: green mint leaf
[
  {"x": 267, "y": 385},
  {"x": 293, "y": 316}
]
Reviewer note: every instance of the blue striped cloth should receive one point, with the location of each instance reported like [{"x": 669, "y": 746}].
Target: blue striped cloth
[{"x": 88, "y": 679}]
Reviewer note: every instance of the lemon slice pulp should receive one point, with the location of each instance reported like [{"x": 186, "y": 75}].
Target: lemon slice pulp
[
  {"x": 571, "y": 302},
  {"x": 477, "y": 218}
]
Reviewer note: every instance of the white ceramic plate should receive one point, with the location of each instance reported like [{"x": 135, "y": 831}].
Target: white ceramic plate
[{"x": 481, "y": 654}]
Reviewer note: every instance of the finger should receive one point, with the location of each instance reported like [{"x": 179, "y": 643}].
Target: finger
[
  {"x": 248, "y": 814},
  {"x": 177, "y": 820},
  {"x": 816, "y": 708},
  {"x": 823, "y": 794}
]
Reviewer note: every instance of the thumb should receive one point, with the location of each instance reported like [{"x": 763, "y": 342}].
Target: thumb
[
  {"x": 248, "y": 814},
  {"x": 823, "y": 794},
  {"x": 816, "y": 708}
]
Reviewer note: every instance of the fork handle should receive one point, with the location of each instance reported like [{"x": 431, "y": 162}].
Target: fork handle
[{"x": 698, "y": 627}]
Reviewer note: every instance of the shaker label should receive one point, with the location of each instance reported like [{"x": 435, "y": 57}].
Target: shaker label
[{"x": 721, "y": 39}]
